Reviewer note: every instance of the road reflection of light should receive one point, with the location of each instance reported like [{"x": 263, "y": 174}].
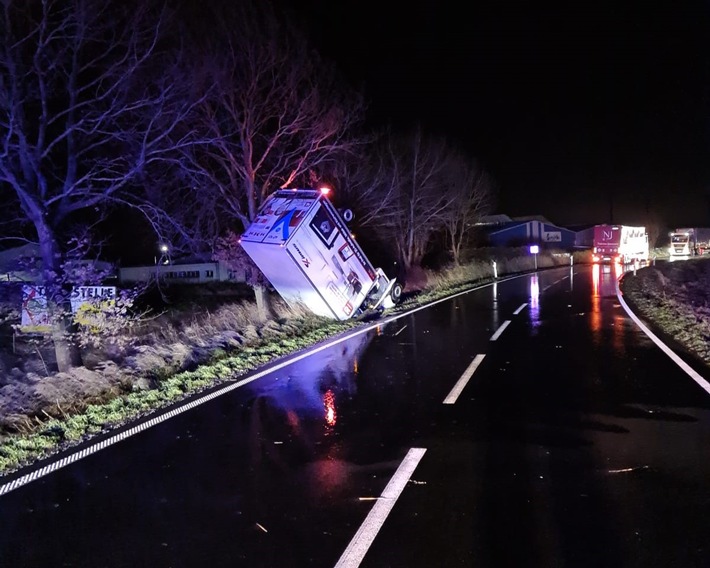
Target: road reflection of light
[
  {"x": 378, "y": 330},
  {"x": 535, "y": 300},
  {"x": 619, "y": 320},
  {"x": 604, "y": 282},
  {"x": 596, "y": 314},
  {"x": 495, "y": 294},
  {"x": 618, "y": 271},
  {"x": 618, "y": 339},
  {"x": 301, "y": 388},
  {"x": 331, "y": 415}
]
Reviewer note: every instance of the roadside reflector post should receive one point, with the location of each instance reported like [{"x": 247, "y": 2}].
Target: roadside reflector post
[
  {"x": 534, "y": 249},
  {"x": 495, "y": 270}
]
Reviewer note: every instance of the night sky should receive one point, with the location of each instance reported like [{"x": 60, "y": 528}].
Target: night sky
[{"x": 589, "y": 114}]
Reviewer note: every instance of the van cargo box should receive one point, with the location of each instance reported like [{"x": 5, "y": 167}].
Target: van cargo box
[{"x": 304, "y": 248}]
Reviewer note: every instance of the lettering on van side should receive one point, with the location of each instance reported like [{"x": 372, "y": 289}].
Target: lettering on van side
[{"x": 304, "y": 260}]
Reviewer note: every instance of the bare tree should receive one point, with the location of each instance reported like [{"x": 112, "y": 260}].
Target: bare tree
[
  {"x": 364, "y": 183},
  {"x": 416, "y": 193},
  {"x": 279, "y": 115},
  {"x": 470, "y": 189},
  {"x": 81, "y": 119},
  {"x": 411, "y": 187}
]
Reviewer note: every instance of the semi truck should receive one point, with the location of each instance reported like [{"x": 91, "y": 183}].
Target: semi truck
[
  {"x": 301, "y": 243},
  {"x": 620, "y": 243},
  {"x": 689, "y": 241}
]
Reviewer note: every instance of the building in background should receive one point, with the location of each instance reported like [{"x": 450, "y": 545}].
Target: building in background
[
  {"x": 185, "y": 271},
  {"x": 524, "y": 231}
]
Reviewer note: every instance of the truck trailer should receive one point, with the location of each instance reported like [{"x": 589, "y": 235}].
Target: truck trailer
[
  {"x": 620, "y": 243},
  {"x": 689, "y": 241},
  {"x": 303, "y": 246}
]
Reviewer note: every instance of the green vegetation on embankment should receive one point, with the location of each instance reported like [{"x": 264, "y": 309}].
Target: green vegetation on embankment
[{"x": 673, "y": 298}]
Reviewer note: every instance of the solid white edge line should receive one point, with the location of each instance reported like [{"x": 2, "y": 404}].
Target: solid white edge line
[
  {"x": 520, "y": 309},
  {"x": 361, "y": 542},
  {"x": 23, "y": 480},
  {"x": 662, "y": 346},
  {"x": 463, "y": 381},
  {"x": 76, "y": 456},
  {"x": 501, "y": 329}
]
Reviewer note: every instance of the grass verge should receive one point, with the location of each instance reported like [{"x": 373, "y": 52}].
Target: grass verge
[{"x": 56, "y": 429}]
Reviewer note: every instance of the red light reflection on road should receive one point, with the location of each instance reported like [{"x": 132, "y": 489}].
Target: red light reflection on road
[
  {"x": 596, "y": 319},
  {"x": 604, "y": 281},
  {"x": 329, "y": 403}
]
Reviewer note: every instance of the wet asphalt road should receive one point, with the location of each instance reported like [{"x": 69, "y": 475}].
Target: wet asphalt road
[{"x": 575, "y": 442}]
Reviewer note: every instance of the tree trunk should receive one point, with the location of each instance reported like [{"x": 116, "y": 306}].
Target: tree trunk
[
  {"x": 66, "y": 353},
  {"x": 263, "y": 302},
  {"x": 455, "y": 246},
  {"x": 58, "y": 301}
]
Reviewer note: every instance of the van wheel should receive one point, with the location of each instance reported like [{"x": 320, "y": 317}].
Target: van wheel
[{"x": 396, "y": 293}]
